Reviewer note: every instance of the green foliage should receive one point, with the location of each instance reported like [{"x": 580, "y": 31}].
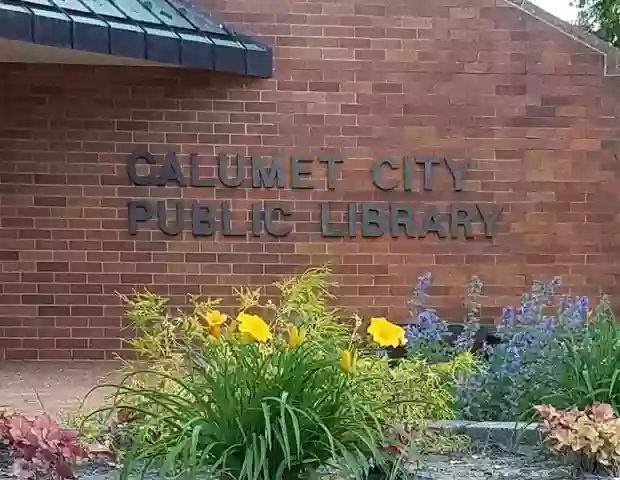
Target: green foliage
[
  {"x": 427, "y": 332},
  {"x": 415, "y": 390},
  {"x": 204, "y": 400},
  {"x": 554, "y": 350},
  {"x": 161, "y": 335},
  {"x": 601, "y": 17},
  {"x": 246, "y": 411},
  {"x": 157, "y": 337},
  {"x": 92, "y": 427},
  {"x": 302, "y": 302},
  {"x": 210, "y": 400},
  {"x": 589, "y": 364}
]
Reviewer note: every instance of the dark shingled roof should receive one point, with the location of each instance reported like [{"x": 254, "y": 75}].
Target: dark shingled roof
[{"x": 169, "y": 32}]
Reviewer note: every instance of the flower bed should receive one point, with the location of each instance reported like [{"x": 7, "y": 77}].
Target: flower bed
[
  {"x": 296, "y": 390},
  {"x": 551, "y": 350},
  {"x": 282, "y": 390}
]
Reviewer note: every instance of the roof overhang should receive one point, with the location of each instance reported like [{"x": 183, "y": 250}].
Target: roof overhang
[{"x": 126, "y": 32}]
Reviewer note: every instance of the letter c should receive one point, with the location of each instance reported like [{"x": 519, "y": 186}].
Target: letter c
[
  {"x": 271, "y": 208},
  {"x": 132, "y": 163},
  {"x": 376, "y": 173}
]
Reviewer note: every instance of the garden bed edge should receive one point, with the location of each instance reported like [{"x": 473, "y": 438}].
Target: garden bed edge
[{"x": 508, "y": 435}]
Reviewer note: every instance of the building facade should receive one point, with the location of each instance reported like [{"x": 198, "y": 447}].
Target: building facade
[{"x": 393, "y": 138}]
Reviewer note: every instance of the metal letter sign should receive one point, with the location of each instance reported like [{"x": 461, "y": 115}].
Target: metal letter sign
[{"x": 349, "y": 220}]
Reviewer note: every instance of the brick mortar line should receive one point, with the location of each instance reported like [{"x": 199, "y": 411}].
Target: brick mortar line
[{"x": 611, "y": 69}]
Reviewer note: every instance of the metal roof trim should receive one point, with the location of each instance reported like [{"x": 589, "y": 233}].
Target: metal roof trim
[{"x": 169, "y": 32}]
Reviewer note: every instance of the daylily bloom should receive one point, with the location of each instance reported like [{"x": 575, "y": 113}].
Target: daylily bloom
[
  {"x": 215, "y": 317},
  {"x": 215, "y": 320},
  {"x": 347, "y": 361},
  {"x": 296, "y": 337},
  {"x": 216, "y": 331},
  {"x": 385, "y": 333},
  {"x": 254, "y": 326}
]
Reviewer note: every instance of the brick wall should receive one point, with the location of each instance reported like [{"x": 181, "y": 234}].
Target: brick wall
[{"x": 527, "y": 105}]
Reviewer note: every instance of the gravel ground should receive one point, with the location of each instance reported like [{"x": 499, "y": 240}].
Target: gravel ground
[
  {"x": 493, "y": 464},
  {"x": 485, "y": 464}
]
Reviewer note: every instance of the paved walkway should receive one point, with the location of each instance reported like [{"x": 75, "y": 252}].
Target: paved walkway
[{"x": 60, "y": 386}]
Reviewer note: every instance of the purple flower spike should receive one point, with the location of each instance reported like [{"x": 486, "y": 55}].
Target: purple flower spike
[
  {"x": 508, "y": 316},
  {"x": 427, "y": 318},
  {"x": 423, "y": 283},
  {"x": 564, "y": 303},
  {"x": 548, "y": 324}
]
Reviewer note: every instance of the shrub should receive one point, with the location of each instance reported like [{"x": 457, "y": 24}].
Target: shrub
[
  {"x": 96, "y": 433},
  {"x": 414, "y": 390},
  {"x": 557, "y": 352},
  {"x": 209, "y": 391},
  {"x": 40, "y": 445},
  {"x": 302, "y": 302},
  {"x": 590, "y": 363},
  {"x": 170, "y": 345},
  {"x": 552, "y": 350},
  {"x": 427, "y": 333},
  {"x": 256, "y": 402},
  {"x": 589, "y": 437},
  {"x": 518, "y": 370},
  {"x": 426, "y": 377},
  {"x": 159, "y": 334}
]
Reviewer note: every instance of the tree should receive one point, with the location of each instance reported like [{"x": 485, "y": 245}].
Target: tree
[{"x": 601, "y": 17}]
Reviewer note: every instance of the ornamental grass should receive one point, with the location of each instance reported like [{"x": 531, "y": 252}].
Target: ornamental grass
[{"x": 279, "y": 395}]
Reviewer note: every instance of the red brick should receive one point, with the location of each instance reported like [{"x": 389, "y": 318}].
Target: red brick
[
  {"x": 352, "y": 78},
  {"x": 37, "y": 299},
  {"x": 88, "y": 354},
  {"x": 68, "y": 343},
  {"x": 21, "y": 354},
  {"x": 53, "y": 311},
  {"x": 52, "y": 266},
  {"x": 105, "y": 344},
  {"x": 53, "y": 354},
  {"x": 38, "y": 343},
  {"x": 9, "y": 256}
]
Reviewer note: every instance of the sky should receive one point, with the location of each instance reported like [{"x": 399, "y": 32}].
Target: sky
[{"x": 560, "y": 8}]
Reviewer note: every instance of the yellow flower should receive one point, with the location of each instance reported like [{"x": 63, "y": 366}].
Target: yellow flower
[
  {"x": 296, "y": 337},
  {"x": 385, "y": 333},
  {"x": 347, "y": 361},
  {"x": 254, "y": 326},
  {"x": 216, "y": 331},
  {"x": 215, "y": 318}
]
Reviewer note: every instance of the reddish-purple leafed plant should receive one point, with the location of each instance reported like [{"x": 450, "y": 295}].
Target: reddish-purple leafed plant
[
  {"x": 590, "y": 436},
  {"x": 42, "y": 448}
]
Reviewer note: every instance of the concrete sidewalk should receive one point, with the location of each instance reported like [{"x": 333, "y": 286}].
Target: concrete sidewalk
[{"x": 59, "y": 386}]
